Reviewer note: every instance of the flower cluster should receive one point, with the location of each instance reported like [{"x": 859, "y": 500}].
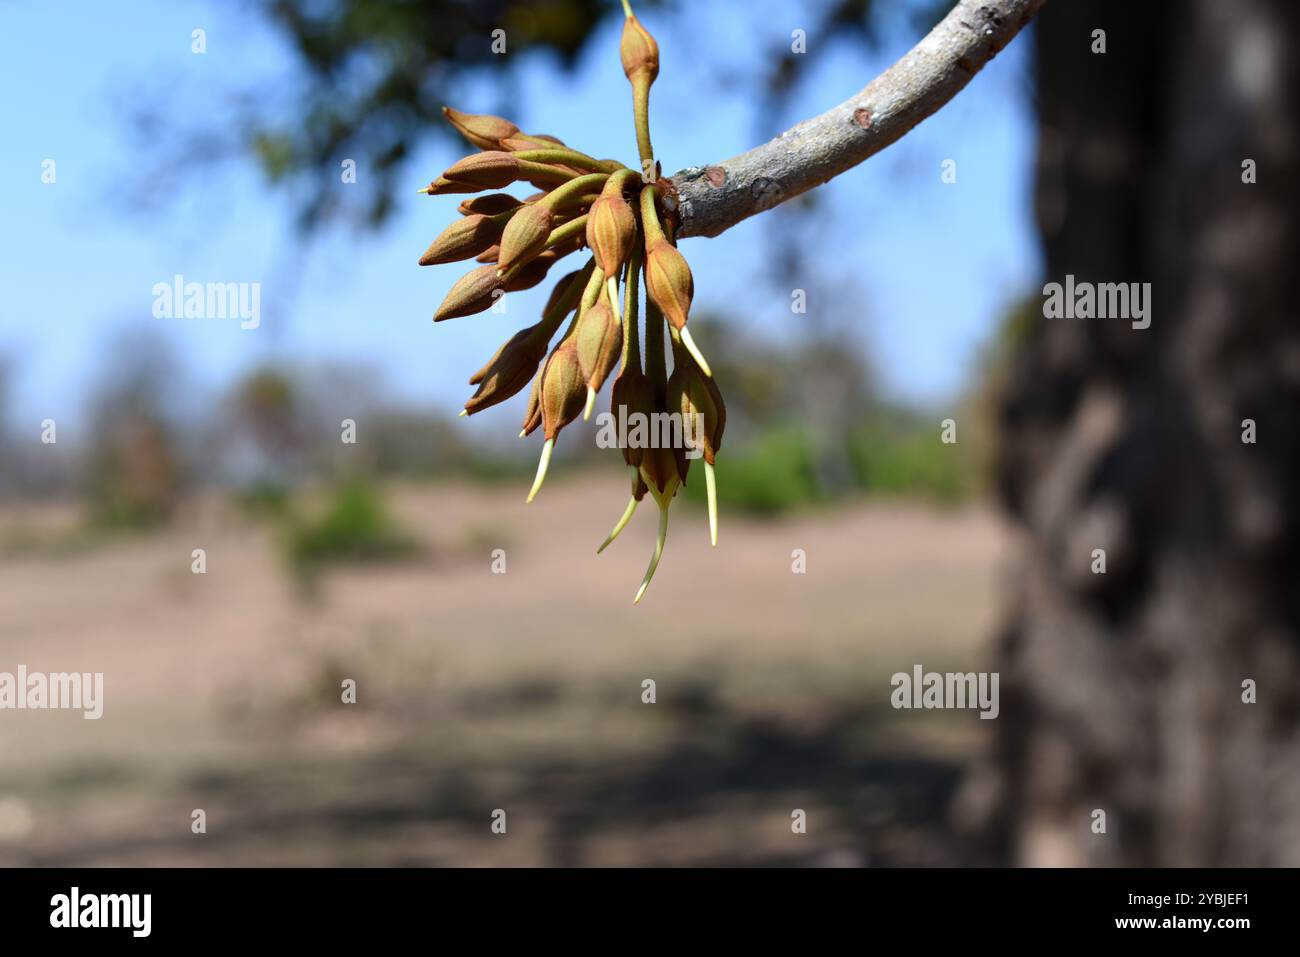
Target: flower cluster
[{"x": 621, "y": 217}]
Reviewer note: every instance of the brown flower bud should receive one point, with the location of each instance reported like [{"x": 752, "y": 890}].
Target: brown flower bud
[
  {"x": 473, "y": 292},
  {"x": 489, "y": 255},
  {"x": 663, "y": 469},
  {"x": 533, "y": 412},
  {"x": 564, "y": 389},
  {"x": 507, "y": 372},
  {"x": 698, "y": 399},
  {"x": 668, "y": 281},
  {"x": 464, "y": 238},
  {"x": 525, "y": 235},
  {"x": 632, "y": 395},
  {"x": 600, "y": 342},
  {"x": 558, "y": 294},
  {"x": 484, "y": 131},
  {"x": 488, "y": 170},
  {"x": 528, "y": 141},
  {"x": 611, "y": 231},
  {"x": 638, "y": 50},
  {"x": 489, "y": 204}
]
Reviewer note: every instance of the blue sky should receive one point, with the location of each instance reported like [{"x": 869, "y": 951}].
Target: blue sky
[{"x": 921, "y": 268}]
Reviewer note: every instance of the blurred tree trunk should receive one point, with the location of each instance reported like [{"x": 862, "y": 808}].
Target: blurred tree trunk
[{"x": 1123, "y": 691}]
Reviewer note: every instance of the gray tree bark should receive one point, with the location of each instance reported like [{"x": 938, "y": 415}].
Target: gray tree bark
[{"x": 713, "y": 198}]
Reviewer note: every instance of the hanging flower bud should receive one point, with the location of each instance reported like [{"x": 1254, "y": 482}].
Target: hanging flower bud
[
  {"x": 631, "y": 395},
  {"x": 698, "y": 399},
  {"x": 533, "y": 411},
  {"x": 661, "y": 468},
  {"x": 466, "y": 237},
  {"x": 563, "y": 299},
  {"x": 507, "y": 372},
  {"x": 611, "y": 226},
  {"x": 489, "y": 255},
  {"x": 563, "y": 394},
  {"x": 599, "y": 335},
  {"x": 668, "y": 280},
  {"x": 473, "y": 292},
  {"x": 489, "y": 204},
  {"x": 563, "y": 291},
  {"x": 484, "y": 131},
  {"x": 525, "y": 235},
  {"x": 638, "y": 50},
  {"x": 564, "y": 388}
]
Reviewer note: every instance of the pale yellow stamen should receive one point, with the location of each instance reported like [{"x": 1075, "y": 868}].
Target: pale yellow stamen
[
  {"x": 542, "y": 466},
  {"x": 627, "y": 513},
  {"x": 659, "y": 548},
  {"x": 694, "y": 350},
  {"x": 711, "y": 487}
]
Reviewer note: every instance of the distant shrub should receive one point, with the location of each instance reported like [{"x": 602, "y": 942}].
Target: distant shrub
[
  {"x": 784, "y": 468},
  {"x": 908, "y": 461},
  {"x": 355, "y": 526},
  {"x": 768, "y": 475}
]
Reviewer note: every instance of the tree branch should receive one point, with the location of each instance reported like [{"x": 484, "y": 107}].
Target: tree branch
[{"x": 711, "y": 199}]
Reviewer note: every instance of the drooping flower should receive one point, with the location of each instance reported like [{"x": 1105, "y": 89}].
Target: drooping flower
[{"x": 619, "y": 214}]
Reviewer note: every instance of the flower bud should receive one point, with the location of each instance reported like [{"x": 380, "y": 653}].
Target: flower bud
[
  {"x": 632, "y": 395},
  {"x": 489, "y": 170},
  {"x": 489, "y": 255},
  {"x": 484, "y": 131},
  {"x": 525, "y": 235},
  {"x": 611, "y": 231},
  {"x": 600, "y": 341},
  {"x": 466, "y": 237},
  {"x": 489, "y": 204},
  {"x": 561, "y": 290},
  {"x": 698, "y": 399},
  {"x": 662, "y": 469},
  {"x": 638, "y": 50},
  {"x": 533, "y": 412},
  {"x": 564, "y": 389},
  {"x": 519, "y": 142},
  {"x": 668, "y": 281},
  {"x": 473, "y": 292},
  {"x": 507, "y": 372}
]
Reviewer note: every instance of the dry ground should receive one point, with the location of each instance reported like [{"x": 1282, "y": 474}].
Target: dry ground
[{"x": 520, "y": 691}]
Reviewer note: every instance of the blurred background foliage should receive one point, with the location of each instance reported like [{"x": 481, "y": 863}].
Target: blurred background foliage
[{"x": 806, "y": 427}]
